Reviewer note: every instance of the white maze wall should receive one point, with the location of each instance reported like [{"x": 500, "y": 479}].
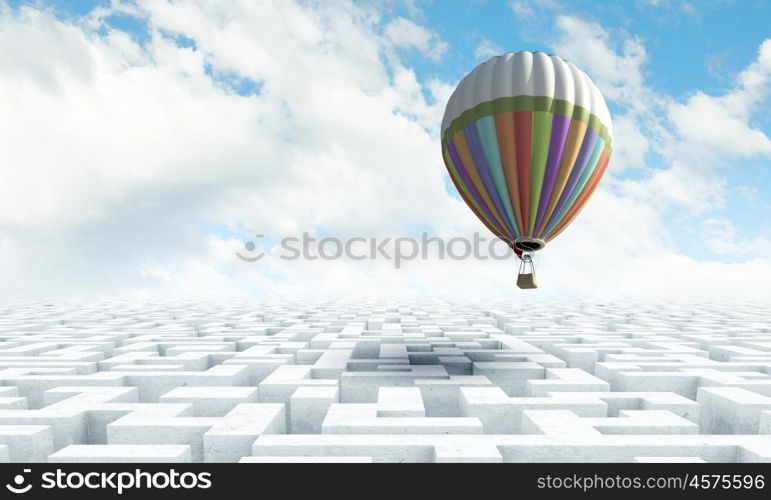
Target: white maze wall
[{"x": 385, "y": 381}]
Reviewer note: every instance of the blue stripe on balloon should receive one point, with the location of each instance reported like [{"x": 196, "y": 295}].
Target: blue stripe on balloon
[{"x": 489, "y": 139}]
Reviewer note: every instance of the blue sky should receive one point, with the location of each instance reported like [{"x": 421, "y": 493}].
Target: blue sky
[
  {"x": 689, "y": 49},
  {"x": 181, "y": 129}
]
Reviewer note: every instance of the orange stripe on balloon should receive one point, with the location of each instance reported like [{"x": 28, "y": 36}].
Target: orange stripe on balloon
[
  {"x": 504, "y": 129},
  {"x": 523, "y": 125},
  {"x": 459, "y": 139},
  {"x": 572, "y": 148},
  {"x": 584, "y": 196}
]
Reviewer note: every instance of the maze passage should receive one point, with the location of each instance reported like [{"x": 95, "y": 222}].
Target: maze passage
[{"x": 358, "y": 380}]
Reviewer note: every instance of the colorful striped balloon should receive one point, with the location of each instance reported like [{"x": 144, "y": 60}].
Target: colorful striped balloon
[{"x": 526, "y": 138}]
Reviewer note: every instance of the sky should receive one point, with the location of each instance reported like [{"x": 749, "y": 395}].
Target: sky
[{"x": 142, "y": 143}]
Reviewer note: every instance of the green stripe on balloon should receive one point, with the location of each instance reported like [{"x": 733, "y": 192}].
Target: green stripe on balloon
[
  {"x": 528, "y": 103},
  {"x": 541, "y": 137}
]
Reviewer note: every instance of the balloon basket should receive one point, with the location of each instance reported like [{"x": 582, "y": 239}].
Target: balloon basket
[{"x": 526, "y": 279}]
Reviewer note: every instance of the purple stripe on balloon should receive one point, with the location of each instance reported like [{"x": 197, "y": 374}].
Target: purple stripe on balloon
[
  {"x": 472, "y": 138},
  {"x": 470, "y": 184},
  {"x": 559, "y": 135},
  {"x": 590, "y": 139}
]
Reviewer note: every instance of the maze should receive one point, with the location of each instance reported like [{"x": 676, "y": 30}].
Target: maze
[{"x": 358, "y": 380}]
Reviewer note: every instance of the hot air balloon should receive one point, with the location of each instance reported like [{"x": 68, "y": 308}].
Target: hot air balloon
[{"x": 526, "y": 138}]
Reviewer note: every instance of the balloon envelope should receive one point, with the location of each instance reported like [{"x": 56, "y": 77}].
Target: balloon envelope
[{"x": 526, "y": 138}]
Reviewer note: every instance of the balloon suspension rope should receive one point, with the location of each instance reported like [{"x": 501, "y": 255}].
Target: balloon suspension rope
[{"x": 524, "y": 259}]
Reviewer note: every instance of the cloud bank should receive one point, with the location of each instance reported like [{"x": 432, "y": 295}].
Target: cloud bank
[{"x": 140, "y": 164}]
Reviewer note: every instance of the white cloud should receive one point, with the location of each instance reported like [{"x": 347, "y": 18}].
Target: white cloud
[
  {"x": 749, "y": 193},
  {"x": 680, "y": 187},
  {"x": 527, "y": 9},
  {"x": 405, "y": 34},
  {"x": 720, "y": 236},
  {"x": 716, "y": 126},
  {"x": 522, "y": 9},
  {"x": 676, "y": 5},
  {"x": 618, "y": 73},
  {"x": 486, "y": 49}
]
